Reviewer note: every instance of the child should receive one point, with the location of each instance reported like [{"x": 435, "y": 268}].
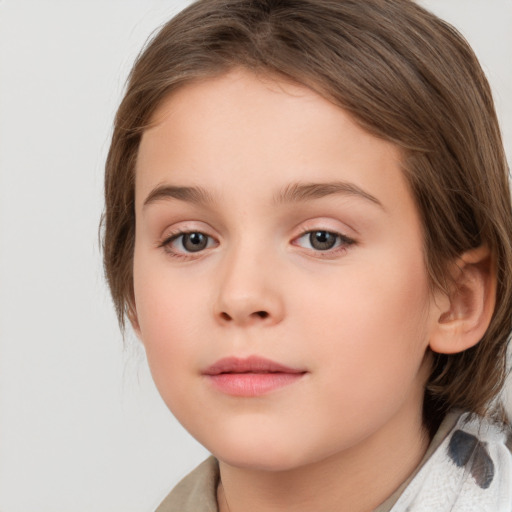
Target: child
[{"x": 308, "y": 225}]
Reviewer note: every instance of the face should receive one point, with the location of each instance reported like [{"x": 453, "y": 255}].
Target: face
[{"x": 280, "y": 284}]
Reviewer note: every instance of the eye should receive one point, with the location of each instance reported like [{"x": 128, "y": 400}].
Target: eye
[
  {"x": 322, "y": 240},
  {"x": 186, "y": 243},
  {"x": 194, "y": 242}
]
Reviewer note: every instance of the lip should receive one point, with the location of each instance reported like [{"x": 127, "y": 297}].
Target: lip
[{"x": 251, "y": 376}]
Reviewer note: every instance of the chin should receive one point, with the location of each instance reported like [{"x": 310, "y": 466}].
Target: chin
[
  {"x": 257, "y": 459},
  {"x": 265, "y": 453}
]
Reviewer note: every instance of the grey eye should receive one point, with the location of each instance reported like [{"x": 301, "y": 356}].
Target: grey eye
[
  {"x": 323, "y": 240},
  {"x": 194, "y": 242}
]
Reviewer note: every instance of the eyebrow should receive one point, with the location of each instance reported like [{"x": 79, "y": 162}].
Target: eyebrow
[
  {"x": 197, "y": 195},
  {"x": 293, "y": 193},
  {"x": 298, "y": 192}
]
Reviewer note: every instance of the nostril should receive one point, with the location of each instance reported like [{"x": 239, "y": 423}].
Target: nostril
[{"x": 226, "y": 317}]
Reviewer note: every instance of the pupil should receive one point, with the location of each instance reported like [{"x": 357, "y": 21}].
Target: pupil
[
  {"x": 194, "y": 242},
  {"x": 322, "y": 240}
]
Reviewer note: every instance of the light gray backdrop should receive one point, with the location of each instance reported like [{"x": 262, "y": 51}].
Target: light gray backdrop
[{"x": 82, "y": 428}]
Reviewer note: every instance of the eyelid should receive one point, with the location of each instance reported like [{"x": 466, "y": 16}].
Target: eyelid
[
  {"x": 184, "y": 227},
  {"x": 330, "y": 225},
  {"x": 327, "y": 223},
  {"x": 344, "y": 239}
]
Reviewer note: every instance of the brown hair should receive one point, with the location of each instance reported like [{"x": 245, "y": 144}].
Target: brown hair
[{"x": 405, "y": 76}]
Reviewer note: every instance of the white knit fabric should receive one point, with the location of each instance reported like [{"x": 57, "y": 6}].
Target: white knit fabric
[{"x": 471, "y": 471}]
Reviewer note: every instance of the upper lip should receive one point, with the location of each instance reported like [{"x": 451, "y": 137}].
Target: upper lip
[{"x": 251, "y": 364}]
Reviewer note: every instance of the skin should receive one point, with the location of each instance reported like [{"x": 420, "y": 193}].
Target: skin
[{"x": 357, "y": 318}]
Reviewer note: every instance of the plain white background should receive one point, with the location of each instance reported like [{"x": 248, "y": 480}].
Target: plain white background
[{"x": 82, "y": 428}]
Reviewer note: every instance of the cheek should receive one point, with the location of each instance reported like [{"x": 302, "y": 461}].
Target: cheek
[
  {"x": 168, "y": 331},
  {"x": 168, "y": 312},
  {"x": 372, "y": 325}
]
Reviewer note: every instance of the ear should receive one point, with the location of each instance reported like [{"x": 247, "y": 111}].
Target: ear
[{"x": 467, "y": 312}]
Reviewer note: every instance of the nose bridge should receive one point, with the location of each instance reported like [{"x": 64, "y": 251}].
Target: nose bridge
[{"x": 248, "y": 292}]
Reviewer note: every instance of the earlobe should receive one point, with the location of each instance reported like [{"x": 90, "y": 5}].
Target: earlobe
[{"x": 470, "y": 304}]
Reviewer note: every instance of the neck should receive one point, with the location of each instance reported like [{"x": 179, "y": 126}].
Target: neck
[{"x": 356, "y": 480}]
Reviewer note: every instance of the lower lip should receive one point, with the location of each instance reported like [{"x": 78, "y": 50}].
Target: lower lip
[{"x": 252, "y": 384}]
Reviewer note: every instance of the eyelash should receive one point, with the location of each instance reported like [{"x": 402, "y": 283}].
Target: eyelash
[
  {"x": 166, "y": 244},
  {"x": 342, "y": 243}
]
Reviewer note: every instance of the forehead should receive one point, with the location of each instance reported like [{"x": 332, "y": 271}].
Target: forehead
[{"x": 252, "y": 134}]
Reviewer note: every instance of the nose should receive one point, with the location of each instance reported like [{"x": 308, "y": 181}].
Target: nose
[{"x": 249, "y": 291}]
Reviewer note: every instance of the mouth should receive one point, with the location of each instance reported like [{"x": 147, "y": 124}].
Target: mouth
[{"x": 250, "y": 377}]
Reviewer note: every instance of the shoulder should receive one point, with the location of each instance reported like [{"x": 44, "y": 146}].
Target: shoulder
[
  {"x": 470, "y": 470},
  {"x": 196, "y": 492}
]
